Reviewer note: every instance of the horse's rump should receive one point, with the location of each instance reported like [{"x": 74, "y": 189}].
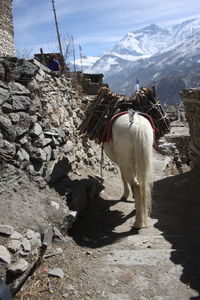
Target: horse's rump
[{"x": 131, "y": 149}]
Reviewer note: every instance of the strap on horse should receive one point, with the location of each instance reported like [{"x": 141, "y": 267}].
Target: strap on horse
[{"x": 101, "y": 162}]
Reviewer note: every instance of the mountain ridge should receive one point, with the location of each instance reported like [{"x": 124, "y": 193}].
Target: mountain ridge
[{"x": 153, "y": 54}]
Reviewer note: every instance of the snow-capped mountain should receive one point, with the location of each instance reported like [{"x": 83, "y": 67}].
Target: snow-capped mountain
[
  {"x": 145, "y": 41},
  {"x": 151, "y": 54},
  {"x": 178, "y": 65},
  {"x": 184, "y": 30}
]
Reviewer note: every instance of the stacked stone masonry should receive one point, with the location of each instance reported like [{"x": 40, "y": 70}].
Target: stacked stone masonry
[
  {"x": 6, "y": 29},
  {"x": 40, "y": 112},
  {"x": 191, "y": 99}
]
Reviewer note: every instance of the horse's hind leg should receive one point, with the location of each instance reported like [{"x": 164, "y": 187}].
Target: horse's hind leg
[
  {"x": 126, "y": 189},
  {"x": 141, "y": 209}
]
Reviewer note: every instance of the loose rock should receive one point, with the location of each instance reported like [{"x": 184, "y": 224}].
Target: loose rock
[
  {"x": 16, "y": 235},
  {"x": 57, "y": 272},
  {"x": 5, "y": 255},
  {"x": 30, "y": 234},
  {"x": 6, "y": 229},
  {"x": 14, "y": 245},
  {"x": 26, "y": 245},
  {"x": 19, "y": 267}
]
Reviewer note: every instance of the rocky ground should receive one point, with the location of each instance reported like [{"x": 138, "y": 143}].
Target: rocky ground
[{"x": 102, "y": 257}]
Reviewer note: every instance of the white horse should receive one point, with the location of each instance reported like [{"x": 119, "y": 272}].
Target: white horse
[{"x": 131, "y": 148}]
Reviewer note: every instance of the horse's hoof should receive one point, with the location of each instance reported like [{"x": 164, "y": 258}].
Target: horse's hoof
[{"x": 140, "y": 225}]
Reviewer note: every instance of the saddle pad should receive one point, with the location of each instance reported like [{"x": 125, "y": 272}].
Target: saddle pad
[{"x": 108, "y": 129}]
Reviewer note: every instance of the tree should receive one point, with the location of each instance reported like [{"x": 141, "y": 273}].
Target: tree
[{"x": 26, "y": 53}]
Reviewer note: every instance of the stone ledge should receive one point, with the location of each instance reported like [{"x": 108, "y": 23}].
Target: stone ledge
[{"x": 191, "y": 100}]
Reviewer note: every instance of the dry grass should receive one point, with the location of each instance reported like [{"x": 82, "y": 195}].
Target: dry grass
[{"x": 39, "y": 286}]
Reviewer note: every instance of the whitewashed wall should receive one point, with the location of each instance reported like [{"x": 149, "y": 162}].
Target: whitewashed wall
[{"x": 6, "y": 29}]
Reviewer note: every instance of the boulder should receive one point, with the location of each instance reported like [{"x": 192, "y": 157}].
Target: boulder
[
  {"x": 20, "y": 103},
  {"x": 5, "y": 255},
  {"x": 4, "y": 95},
  {"x": 19, "y": 267}
]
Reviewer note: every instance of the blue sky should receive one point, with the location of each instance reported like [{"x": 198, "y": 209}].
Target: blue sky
[{"x": 95, "y": 25}]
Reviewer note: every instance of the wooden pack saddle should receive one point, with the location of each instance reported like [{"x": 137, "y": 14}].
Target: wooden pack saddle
[{"x": 107, "y": 104}]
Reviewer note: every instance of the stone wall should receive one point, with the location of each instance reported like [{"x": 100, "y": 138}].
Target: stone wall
[
  {"x": 40, "y": 112},
  {"x": 6, "y": 29},
  {"x": 191, "y": 100}
]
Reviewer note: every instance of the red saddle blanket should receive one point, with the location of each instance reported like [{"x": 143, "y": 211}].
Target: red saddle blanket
[{"x": 108, "y": 130}]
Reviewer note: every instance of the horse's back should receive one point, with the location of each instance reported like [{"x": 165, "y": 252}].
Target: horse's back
[{"x": 122, "y": 127}]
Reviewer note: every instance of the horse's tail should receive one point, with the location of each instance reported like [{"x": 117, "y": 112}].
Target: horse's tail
[{"x": 143, "y": 153}]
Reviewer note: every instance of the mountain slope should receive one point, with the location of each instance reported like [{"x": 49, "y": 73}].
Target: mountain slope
[
  {"x": 146, "y": 41},
  {"x": 154, "y": 55}
]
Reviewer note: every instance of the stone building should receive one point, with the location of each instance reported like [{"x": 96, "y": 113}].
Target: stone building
[
  {"x": 191, "y": 100},
  {"x": 6, "y": 29},
  {"x": 91, "y": 83}
]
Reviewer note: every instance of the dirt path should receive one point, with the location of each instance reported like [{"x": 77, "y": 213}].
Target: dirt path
[{"x": 105, "y": 259}]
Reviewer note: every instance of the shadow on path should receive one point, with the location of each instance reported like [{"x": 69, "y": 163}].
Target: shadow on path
[
  {"x": 94, "y": 227},
  {"x": 95, "y": 224},
  {"x": 177, "y": 208}
]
